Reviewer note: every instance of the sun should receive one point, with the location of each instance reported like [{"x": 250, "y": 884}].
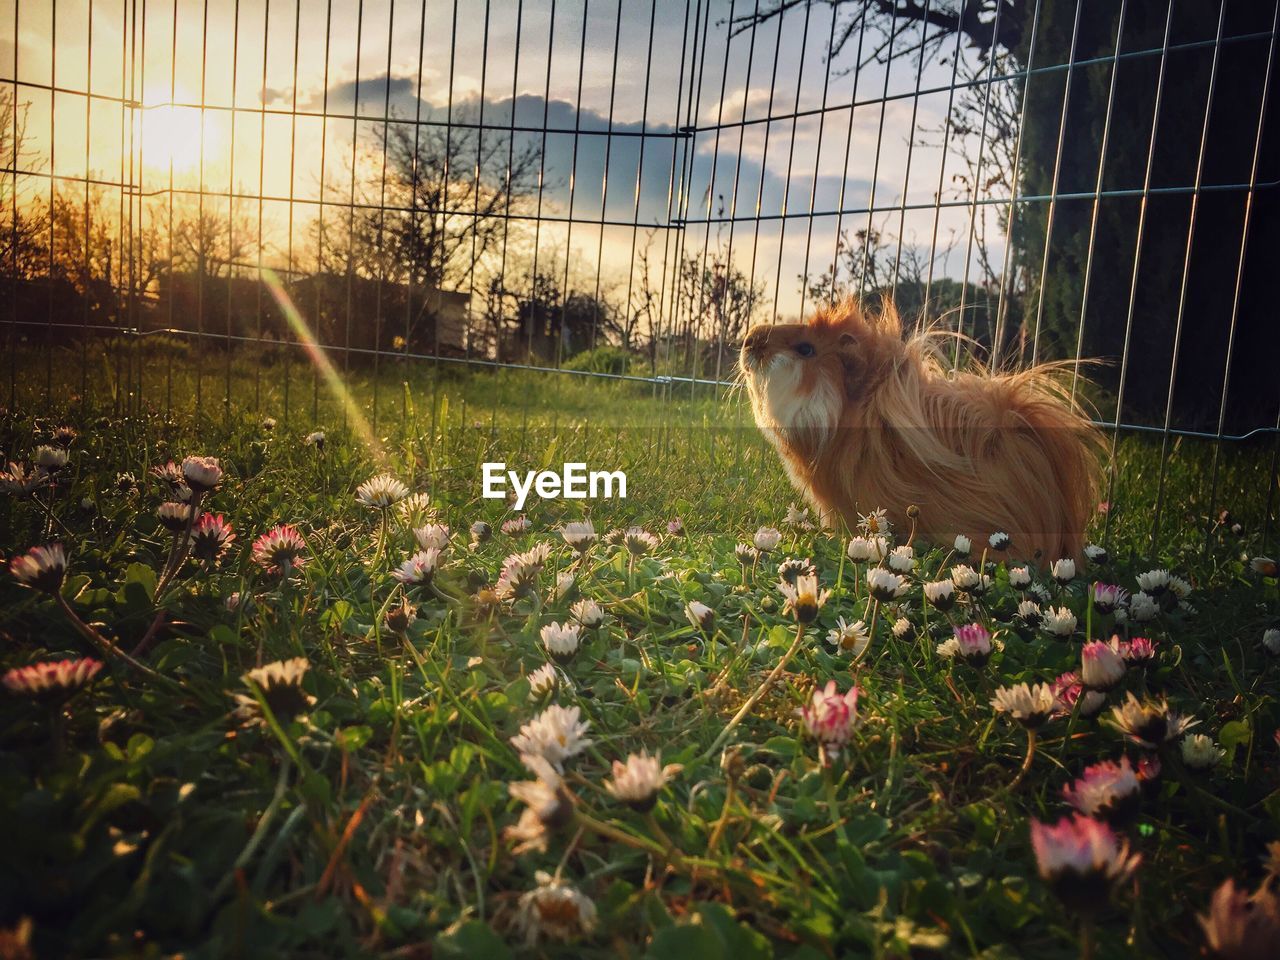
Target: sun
[{"x": 171, "y": 135}]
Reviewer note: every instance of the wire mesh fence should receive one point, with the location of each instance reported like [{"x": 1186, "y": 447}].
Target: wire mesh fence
[{"x": 218, "y": 202}]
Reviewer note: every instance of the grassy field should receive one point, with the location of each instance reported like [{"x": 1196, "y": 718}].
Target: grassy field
[{"x": 152, "y": 812}]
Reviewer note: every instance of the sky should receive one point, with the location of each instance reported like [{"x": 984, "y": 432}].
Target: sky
[{"x": 360, "y": 64}]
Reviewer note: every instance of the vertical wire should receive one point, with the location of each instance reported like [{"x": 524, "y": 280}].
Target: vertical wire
[
  {"x": 764, "y": 157},
  {"x": 262, "y": 154},
  {"x": 1137, "y": 263},
  {"x": 977, "y": 185},
  {"x": 1272, "y": 485},
  {"x": 1186, "y": 274},
  {"x": 1239, "y": 283},
  {"x": 635, "y": 214},
  {"x": 444, "y": 211},
  {"x": 322, "y": 275},
  {"x": 475, "y": 187},
  {"x": 169, "y": 261},
  {"x": 351, "y": 200},
  {"x": 1097, "y": 200},
  {"x": 378, "y": 251},
  {"x": 911, "y": 143},
  {"x": 85, "y": 279},
  {"x": 848, "y": 149},
  {"x": 711, "y": 194},
  {"x": 511, "y": 154},
  {"x": 201, "y": 233},
  {"x": 817, "y": 164},
  {"x": 573, "y": 185},
  {"x": 122, "y": 349},
  {"x": 942, "y": 172},
  {"x": 867, "y": 263},
  {"x": 1053, "y": 188},
  {"x": 231, "y": 206},
  {"x": 53, "y": 185},
  {"x": 285, "y": 332},
  {"x": 791, "y": 154},
  {"x": 412, "y": 228},
  {"x": 138, "y": 51},
  {"x": 542, "y": 176},
  {"x": 604, "y": 179},
  {"x": 1011, "y": 214},
  {"x": 13, "y": 214}
]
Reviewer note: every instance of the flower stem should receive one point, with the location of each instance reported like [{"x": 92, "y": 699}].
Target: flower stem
[
  {"x": 759, "y": 693},
  {"x": 1026, "y": 762}
]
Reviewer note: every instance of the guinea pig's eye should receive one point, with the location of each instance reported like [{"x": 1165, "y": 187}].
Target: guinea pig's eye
[{"x": 804, "y": 349}]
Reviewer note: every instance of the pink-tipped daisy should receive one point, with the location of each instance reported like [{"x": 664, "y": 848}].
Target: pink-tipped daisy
[
  {"x": 831, "y": 717},
  {"x": 280, "y": 549},
  {"x": 41, "y": 568},
  {"x": 1081, "y": 859},
  {"x": 52, "y": 678},
  {"x": 1107, "y": 790},
  {"x": 210, "y": 537}
]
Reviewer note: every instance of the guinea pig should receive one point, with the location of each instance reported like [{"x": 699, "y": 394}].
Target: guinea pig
[{"x": 865, "y": 419}]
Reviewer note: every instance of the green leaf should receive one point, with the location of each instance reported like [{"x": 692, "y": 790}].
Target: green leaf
[
  {"x": 143, "y": 576},
  {"x": 469, "y": 939}
]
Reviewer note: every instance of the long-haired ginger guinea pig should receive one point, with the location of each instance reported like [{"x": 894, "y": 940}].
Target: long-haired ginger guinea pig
[{"x": 864, "y": 419}]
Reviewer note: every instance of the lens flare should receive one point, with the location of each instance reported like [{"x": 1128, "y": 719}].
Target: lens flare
[{"x": 332, "y": 378}]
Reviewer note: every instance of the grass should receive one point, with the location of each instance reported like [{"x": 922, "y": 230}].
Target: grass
[{"x": 145, "y": 819}]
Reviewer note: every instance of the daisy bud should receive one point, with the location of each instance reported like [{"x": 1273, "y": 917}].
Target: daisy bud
[
  {"x": 999, "y": 541},
  {"x": 588, "y": 613},
  {"x": 554, "y": 910},
  {"x": 1109, "y": 791},
  {"x": 1271, "y": 641},
  {"x": 281, "y": 686},
  {"x": 851, "y": 638},
  {"x": 789, "y": 571},
  {"x": 561, "y": 640},
  {"x": 51, "y": 679},
  {"x": 51, "y": 459},
  {"x": 965, "y": 577},
  {"x": 1031, "y": 706},
  {"x": 1064, "y": 570},
  {"x": 700, "y": 615},
  {"x": 638, "y": 781},
  {"x": 941, "y": 593},
  {"x": 885, "y": 585},
  {"x": 1264, "y": 566},
  {"x": 867, "y": 549},
  {"x": 210, "y": 537},
  {"x": 1019, "y": 578},
  {"x": 1059, "y": 622},
  {"x": 174, "y": 516},
  {"x": 580, "y": 535},
  {"x": 963, "y": 546},
  {"x": 767, "y": 539},
  {"x": 1095, "y": 554},
  {"x": 543, "y": 680},
  {"x": 1199, "y": 752},
  {"x": 201, "y": 474},
  {"x": 315, "y": 439},
  {"x": 973, "y": 644},
  {"x": 831, "y": 717},
  {"x": 805, "y": 598},
  {"x": 902, "y": 559},
  {"x": 1101, "y": 667},
  {"x": 639, "y": 541},
  {"x": 675, "y": 528},
  {"x": 481, "y": 532},
  {"x": 1081, "y": 859},
  {"x": 747, "y": 554},
  {"x": 419, "y": 569},
  {"x": 41, "y": 568}
]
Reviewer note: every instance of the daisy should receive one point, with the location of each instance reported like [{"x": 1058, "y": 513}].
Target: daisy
[
  {"x": 1030, "y": 706},
  {"x": 51, "y": 678},
  {"x": 1154, "y": 582},
  {"x": 1199, "y": 752},
  {"x": 885, "y": 585},
  {"x": 675, "y": 528},
  {"x": 1073, "y": 694},
  {"x": 556, "y": 734},
  {"x": 1240, "y": 925},
  {"x": 965, "y": 577},
  {"x": 639, "y": 541},
  {"x": 1107, "y": 597},
  {"x": 481, "y": 532},
  {"x": 588, "y": 613},
  {"x": 1143, "y": 608},
  {"x": 972, "y": 643},
  {"x": 1271, "y": 641},
  {"x": 963, "y": 546},
  {"x": 268, "y": 424},
  {"x": 416, "y": 506},
  {"x": 1060, "y": 622},
  {"x": 566, "y": 585},
  {"x": 280, "y": 684},
  {"x": 1040, "y": 594},
  {"x": 797, "y": 516},
  {"x": 419, "y": 569},
  {"x": 554, "y": 910},
  {"x": 875, "y": 524},
  {"x": 21, "y": 481},
  {"x": 381, "y": 492},
  {"x": 902, "y": 559},
  {"x": 1064, "y": 570},
  {"x": 767, "y": 539},
  {"x": 516, "y": 526},
  {"x": 903, "y": 629},
  {"x": 41, "y": 568},
  {"x": 638, "y": 781},
  {"x": 867, "y": 549},
  {"x": 280, "y": 549},
  {"x": 548, "y": 806},
  {"x": 519, "y": 577},
  {"x": 169, "y": 473},
  {"x": 400, "y": 616},
  {"x": 210, "y": 537},
  {"x": 580, "y": 535},
  {"x": 1107, "y": 790},
  {"x": 1081, "y": 859},
  {"x": 1138, "y": 652},
  {"x": 700, "y": 615},
  {"x": 849, "y": 637},
  {"x": 941, "y": 593},
  {"x": 433, "y": 536},
  {"x": 747, "y": 554},
  {"x": 65, "y": 436},
  {"x": 804, "y": 598},
  {"x": 561, "y": 640},
  {"x": 174, "y": 517},
  {"x": 1101, "y": 666},
  {"x": 1149, "y": 723},
  {"x": 315, "y": 439},
  {"x": 543, "y": 680},
  {"x": 201, "y": 474},
  {"x": 1019, "y": 578},
  {"x": 831, "y": 717},
  {"x": 1029, "y": 613},
  {"x": 792, "y": 570},
  {"x": 999, "y": 541},
  {"x": 1095, "y": 554},
  {"x": 50, "y": 459}
]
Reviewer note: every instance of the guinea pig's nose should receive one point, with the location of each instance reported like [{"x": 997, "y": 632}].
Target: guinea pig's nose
[{"x": 755, "y": 340}]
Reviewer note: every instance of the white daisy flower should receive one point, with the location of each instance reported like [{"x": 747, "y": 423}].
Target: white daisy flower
[
  {"x": 902, "y": 559},
  {"x": 767, "y": 539},
  {"x": 1060, "y": 622},
  {"x": 561, "y": 640},
  {"x": 1030, "y": 706},
  {"x": 1154, "y": 582},
  {"x": 1019, "y": 578},
  {"x": 1143, "y": 607},
  {"x": 433, "y": 536},
  {"x": 579, "y": 534},
  {"x": 1064, "y": 570},
  {"x": 1199, "y": 752},
  {"x": 700, "y": 615},
  {"x": 963, "y": 546},
  {"x": 556, "y": 735},
  {"x": 381, "y": 492},
  {"x": 849, "y": 638},
  {"x": 941, "y": 593},
  {"x": 885, "y": 585},
  {"x": 588, "y": 613},
  {"x": 804, "y": 598},
  {"x": 1271, "y": 641},
  {"x": 554, "y": 910},
  {"x": 638, "y": 781}
]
